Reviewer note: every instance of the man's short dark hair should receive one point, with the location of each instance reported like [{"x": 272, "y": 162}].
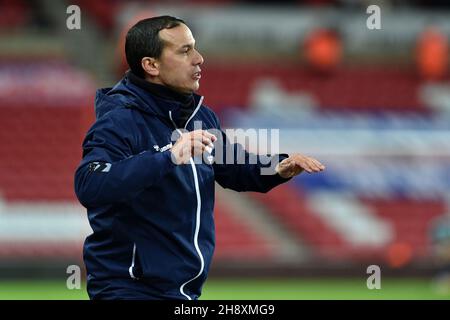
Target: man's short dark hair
[{"x": 143, "y": 40}]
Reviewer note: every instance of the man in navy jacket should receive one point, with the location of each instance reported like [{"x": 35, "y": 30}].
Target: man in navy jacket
[{"x": 150, "y": 201}]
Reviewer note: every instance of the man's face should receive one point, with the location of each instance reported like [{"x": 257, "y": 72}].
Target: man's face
[{"x": 179, "y": 63}]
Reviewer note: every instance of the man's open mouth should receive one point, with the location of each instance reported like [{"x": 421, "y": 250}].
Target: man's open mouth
[{"x": 197, "y": 75}]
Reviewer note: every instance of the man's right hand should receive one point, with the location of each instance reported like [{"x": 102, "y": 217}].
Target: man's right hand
[{"x": 192, "y": 144}]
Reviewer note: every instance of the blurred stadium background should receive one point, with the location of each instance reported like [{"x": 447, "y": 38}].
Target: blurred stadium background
[{"x": 372, "y": 105}]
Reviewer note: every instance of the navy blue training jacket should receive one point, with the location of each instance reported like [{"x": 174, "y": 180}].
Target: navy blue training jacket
[{"x": 153, "y": 226}]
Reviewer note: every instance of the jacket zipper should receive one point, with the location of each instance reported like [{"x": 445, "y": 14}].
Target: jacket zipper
[
  {"x": 199, "y": 204},
  {"x": 130, "y": 270}
]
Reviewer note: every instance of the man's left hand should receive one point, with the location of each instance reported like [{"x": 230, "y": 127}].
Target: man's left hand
[{"x": 296, "y": 164}]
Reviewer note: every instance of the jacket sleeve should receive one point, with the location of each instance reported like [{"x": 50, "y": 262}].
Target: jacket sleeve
[
  {"x": 109, "y": 171},
  {"x": 240, "y": 170}
]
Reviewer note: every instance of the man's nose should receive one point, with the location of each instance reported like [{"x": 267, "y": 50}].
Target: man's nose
[{"x": 198, "y": 60}]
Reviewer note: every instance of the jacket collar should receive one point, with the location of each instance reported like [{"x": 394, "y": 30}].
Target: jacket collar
[
  {"x": 160, "y": 91},
  {"x": 158, "y": 105},
  {"x": 126, "y": 94}
]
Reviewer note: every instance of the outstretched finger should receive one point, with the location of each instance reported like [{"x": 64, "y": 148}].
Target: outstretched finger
[
  {"x": 303, "y": 164},
  {"x": 318, "y": 164},
  {"x": 315, "y": 166}
]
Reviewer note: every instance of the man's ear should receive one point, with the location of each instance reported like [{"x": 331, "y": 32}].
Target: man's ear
[{"x": 150, "y": 66}]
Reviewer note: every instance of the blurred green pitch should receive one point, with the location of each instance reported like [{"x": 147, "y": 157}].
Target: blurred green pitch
[{"x": 252, "y": 289}]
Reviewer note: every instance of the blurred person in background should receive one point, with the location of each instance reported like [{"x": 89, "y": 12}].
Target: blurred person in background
[
  {"x": 149, "y": 204},
  {"x": 440, "y": 242}
]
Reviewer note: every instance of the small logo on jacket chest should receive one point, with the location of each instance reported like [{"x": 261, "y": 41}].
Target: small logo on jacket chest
[{"x": 166, "y": 147}]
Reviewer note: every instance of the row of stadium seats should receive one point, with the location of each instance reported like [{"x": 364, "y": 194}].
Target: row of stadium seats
[
  {"x": 41, "y": 149},
  {"x": 410, "y": 221},
  {"x": 358, "y": 88},
  {"x": 237, "y": 240}
]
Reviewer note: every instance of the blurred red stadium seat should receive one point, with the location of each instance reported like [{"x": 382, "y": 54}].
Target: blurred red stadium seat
[
  {"x": 238, "y": 240},
  {"x": 13, "y": 14}
]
